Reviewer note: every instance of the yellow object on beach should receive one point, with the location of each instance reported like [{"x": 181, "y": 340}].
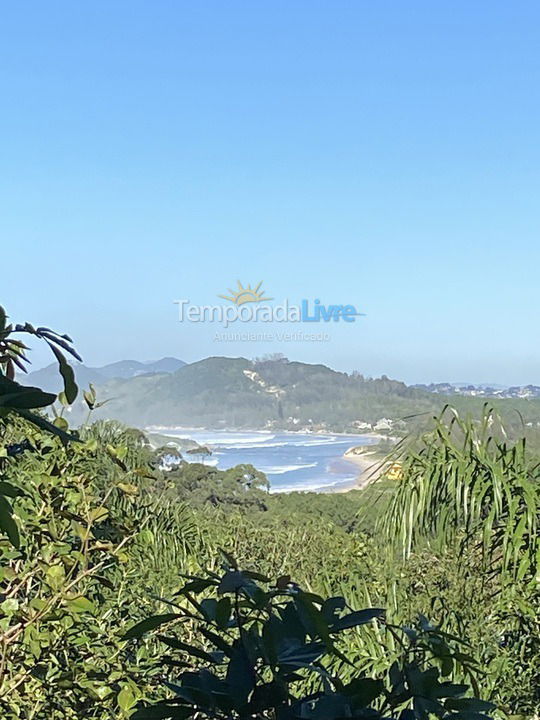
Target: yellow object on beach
[{"x": 395, "y": 471}]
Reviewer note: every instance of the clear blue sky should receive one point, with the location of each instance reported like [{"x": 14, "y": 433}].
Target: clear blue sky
[{"x": 384, "y": 154}]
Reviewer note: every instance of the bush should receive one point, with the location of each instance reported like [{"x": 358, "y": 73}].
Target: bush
[{"x": 260, "y": 650}]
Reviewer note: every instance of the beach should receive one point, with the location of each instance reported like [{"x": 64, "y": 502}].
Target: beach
[
  {"x": 292, "y": 461},
  {"x": 369, "y": 464}
]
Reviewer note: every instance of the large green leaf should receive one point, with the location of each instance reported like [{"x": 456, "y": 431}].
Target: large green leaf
[
  {"x": 44, "y": 424},
  {"x": 240, "y": 676},
  {"x": 358, "y": 617},
  {"x": 26, "y": 398},
  {"x": 148, "y": 624},
  {"x": 7, "y": 523},
  {"x": 300, "y": 655},
  {"x": 66, "y": 371},
  {"x": 364, "y": 690}
]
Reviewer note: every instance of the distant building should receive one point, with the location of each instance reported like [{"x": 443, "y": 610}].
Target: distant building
[{"x": 361, "y": 425}]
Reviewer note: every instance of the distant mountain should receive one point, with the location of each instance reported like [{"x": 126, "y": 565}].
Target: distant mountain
[
  {"x": 131, "y": 368},
  {"x": 48, "y": 378}
]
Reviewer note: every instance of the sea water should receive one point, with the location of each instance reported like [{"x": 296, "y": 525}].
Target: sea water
[{"x": 290, "y": 460}]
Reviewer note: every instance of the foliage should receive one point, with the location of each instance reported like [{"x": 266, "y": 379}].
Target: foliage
[
  {"x": 465, "y": 518},
  {"x": 466, "y": 477},
  {"x": 19, "y": 399},
  {"x": 265, "y": 653},
  {"x": 89, "y": 551},
  {"x": 242, "y": 486}
]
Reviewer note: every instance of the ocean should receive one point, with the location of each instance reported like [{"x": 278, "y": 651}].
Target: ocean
[{"x": 290, "y": 460}]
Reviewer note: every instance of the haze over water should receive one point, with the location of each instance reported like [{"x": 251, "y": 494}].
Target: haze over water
[{"x": 291, "y": 461}]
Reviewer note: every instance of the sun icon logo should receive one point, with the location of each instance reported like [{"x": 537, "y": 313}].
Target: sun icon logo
[{"x": 245, "y": 294}]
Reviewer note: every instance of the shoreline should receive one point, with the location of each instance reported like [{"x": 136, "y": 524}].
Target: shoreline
[
  {"x": 369, "y": 465},
  {"x": 159, "y": 429},
  {"x": 368, "y": 472},
  {"x": 364, "y": 463}
]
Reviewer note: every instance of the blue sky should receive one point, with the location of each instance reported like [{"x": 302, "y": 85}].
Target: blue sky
[{"x": 383, "y": 154}]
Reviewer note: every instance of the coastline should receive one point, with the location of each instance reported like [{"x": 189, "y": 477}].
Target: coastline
[
  {"x": 353, "y": 467},
  {"x": 162, "y": 429},
  {"x": 369, "y": 466}
]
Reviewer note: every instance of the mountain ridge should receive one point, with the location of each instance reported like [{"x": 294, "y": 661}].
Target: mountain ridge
[
  {"x": 275, "y": 393},
  {"x": 48, "y": 378}
]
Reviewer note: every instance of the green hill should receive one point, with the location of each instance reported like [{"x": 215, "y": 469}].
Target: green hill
[{"x": 239, "y": 393}]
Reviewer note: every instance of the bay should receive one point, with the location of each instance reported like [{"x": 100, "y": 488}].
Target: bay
[{"x": 291, "y": 461}]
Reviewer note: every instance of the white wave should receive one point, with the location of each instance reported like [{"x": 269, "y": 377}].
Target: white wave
[
  {"x": 255, "y": 446},
  {"x": 281, "y": 442},
  {"x": 242, "y": 441},
  {"x": 228, "y": 440},
  {"x": 312, "y": 485},
  {"x": 282, "y": 469},
  {"x": 320, "y": 441},
  {"x": 210, "y": 462}
]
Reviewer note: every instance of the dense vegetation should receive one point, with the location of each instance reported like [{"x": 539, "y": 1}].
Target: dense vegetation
[{"x": 409, "y": 599}]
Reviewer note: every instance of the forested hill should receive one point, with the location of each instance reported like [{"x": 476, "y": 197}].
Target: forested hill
[{"x": 236, "y": 392}]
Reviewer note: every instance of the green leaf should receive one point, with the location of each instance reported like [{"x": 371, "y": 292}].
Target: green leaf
[
  {"x": 176, "y": 644},
  {"x": 90, "y": 397},
  {"x": 81, "y": 604},
  {"x": 364, "y": 690},
  {"x": 256, "y": 576},
  {"x": 8, "y": 524},
  {"x": 9, "y": 606},
  {"x": 44, "y": 424},
  {"x": 223, "y": 612},
  {"x": 150, "y": 623},
  {"x": 128, "y": 488},
  {"x": 469, "y": 705},
  {"x": 312, "y": 618},
  {"x": 240, "y": 677},
  {"x": 230, "y": 559},
  {"x": 447, "y": 690},
  {"x": 196, "y": 586},
  {"x": 300, "y": 655},
  {"x": 9, "y": 490},
  {"x": 61, "y": 423},
  {"x": 126, "y": 699},
  {"x": 232, "y": 581},
  {"x": 217, "y": 640},
  {"x": 359, "y": 617},
  {"x": 26, "y": 398},
  {"x": 62, "y": 399},
  {"x": 66, "y": 371},
  {"x": 56, "y": 576}
]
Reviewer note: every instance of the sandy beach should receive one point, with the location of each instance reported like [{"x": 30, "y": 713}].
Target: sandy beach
[{"x": 368, "y": 464}]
